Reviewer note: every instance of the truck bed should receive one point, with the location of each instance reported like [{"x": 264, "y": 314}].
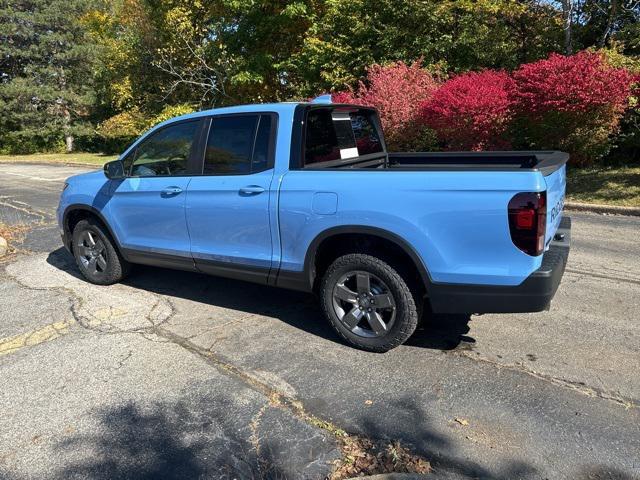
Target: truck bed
[{"x": 545, "y": 161}]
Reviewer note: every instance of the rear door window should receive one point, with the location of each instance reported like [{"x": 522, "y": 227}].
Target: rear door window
[
  {"x": 229, "y": 145},
  {"x": 340, "y": 134},
  {"x": 238, "y": 145},
  {"x": 261, "y": 150}
]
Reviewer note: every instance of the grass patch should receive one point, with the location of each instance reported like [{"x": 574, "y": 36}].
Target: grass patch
[
  {"x": 84, "y": 158},
  {"x": 605, "y": 185}
]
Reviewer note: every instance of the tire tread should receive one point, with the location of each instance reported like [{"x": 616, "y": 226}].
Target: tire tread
[{"x": 408, "y": 317}]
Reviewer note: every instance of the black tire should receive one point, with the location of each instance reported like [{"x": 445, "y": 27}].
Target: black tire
[
  {"x": 342, "y": 279},
  {"x": 101, "y": 263}
]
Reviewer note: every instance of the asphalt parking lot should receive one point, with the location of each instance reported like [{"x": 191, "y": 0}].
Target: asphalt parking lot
[{"x": 180, "y": 375}]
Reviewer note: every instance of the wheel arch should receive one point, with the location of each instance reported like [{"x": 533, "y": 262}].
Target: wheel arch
[
  {"x": 76, "y": 212},
  {"x": 316, "y": 247}
]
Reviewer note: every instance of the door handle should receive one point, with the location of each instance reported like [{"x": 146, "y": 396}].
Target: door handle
[
  {"x": 171, "y": 191},
  {"x": 251, "y": 190}
]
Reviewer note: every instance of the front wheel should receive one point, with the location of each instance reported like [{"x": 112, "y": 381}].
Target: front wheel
[
  {"x": 368, "y": 303},
  {"x": 96, "y": 255}
]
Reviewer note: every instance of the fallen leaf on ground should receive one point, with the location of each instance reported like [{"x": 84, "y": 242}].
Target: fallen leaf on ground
[{"x": 462, "y": 421}]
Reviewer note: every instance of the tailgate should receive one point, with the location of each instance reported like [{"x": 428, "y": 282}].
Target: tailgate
[{"x": 556, "y": 186}]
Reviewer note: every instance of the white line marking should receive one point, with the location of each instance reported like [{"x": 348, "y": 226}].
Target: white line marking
[{"x": 31, "y": 177}]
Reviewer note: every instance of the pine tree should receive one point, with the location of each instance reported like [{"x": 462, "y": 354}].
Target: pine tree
[{"x": 46, "y": 61}]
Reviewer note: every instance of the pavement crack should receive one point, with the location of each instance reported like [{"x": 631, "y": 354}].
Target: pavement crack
[
  {"x": 254, "y": 438},
  {"x": 580, "y": 387},
  {"x": 124, "y": 360},
  {"x": 376, "y": 451},
  {"x": 603, "y": 276}
]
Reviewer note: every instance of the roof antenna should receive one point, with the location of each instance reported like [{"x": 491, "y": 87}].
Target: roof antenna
[{"x": 324, "y": 98}]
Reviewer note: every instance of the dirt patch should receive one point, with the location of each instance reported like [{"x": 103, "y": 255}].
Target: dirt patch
[
  {"x": 13, "y": 234},
  {"x": 361, "y": 456}
]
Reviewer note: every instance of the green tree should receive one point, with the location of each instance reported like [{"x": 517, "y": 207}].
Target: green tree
[
  {"x": 46, "y": 72},
  {"x": 457, "y": 35},
  {"x": 261, "y": 37},
  {"x": 129, "y": 34},
  {"x": 157, "y": 53},
  {"x": 603, "y": 22}
]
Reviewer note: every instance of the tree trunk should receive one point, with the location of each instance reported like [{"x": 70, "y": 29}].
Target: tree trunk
[
  {"x": 66, "y": 125},
  {"x": 613, "y": 11},
  {"x": 567, "y": 25},
  {"x": 68, "y": 140}
]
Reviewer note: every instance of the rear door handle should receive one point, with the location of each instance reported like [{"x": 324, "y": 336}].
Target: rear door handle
[
  {"x": 251, "y": 190},
  {"x": 172, "y": 191}
]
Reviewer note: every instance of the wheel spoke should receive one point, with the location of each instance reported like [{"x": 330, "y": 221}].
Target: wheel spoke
[
  {"x": 90, "y": 239},
  {"x": 352, "y": 318},
  {"x": 344, "y": 293},
  {"x": 363, "y": 281},
  {"x": 83, "y": 250},
  {"x": 384, "y": 300},
  {"x": 376, "y": 323},
  {"x": 101, "y": 262},
  {"x": 372, "y": 308},
  {"x": 92, "y": 265}
]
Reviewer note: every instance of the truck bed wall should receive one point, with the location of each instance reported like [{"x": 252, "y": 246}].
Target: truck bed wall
[{"x": 455, "y": 221}]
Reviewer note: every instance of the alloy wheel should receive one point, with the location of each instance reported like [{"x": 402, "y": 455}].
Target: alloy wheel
[
  {"x": 92, "y": 252},
  {"x": 364, "y": 304}
]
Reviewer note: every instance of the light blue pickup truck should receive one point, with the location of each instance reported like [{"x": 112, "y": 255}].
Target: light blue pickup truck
[{"x": 306, "y": 196}]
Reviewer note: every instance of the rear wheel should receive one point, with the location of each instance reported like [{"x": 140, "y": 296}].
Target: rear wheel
[
  {"x": 368, "y": 303},
  {"x": 96, "y": 255}
]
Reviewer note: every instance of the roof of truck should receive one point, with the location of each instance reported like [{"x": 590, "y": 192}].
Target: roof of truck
[
  {"x": 279, "y": 107},
  {"x": 282, "y": 108},
  {"x": 257, "y": 107}
]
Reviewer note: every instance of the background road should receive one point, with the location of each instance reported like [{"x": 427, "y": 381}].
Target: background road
[{"x": 177, "y": 374}]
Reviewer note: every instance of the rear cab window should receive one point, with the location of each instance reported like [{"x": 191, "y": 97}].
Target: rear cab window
[{"x": 341, "y": 135}]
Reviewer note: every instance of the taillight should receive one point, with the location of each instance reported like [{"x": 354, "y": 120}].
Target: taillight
[{"x": 528, "y": 221}]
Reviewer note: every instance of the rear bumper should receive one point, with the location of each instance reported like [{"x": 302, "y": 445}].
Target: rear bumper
[{"x": 532, "y": 295}]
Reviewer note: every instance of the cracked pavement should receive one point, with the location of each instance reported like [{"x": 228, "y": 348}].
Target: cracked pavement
[{"x": 173, "y": 374}]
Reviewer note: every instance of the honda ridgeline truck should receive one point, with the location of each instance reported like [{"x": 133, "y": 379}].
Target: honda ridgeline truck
[{"x": 306, "y": 196}]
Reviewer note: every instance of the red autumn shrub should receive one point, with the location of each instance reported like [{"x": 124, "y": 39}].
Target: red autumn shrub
[
  {"x": 343, "y": 97},
  {"x": 396, "y": 90},
  {"x": 572, "y": 103},
  {"x": 579, "y": 83},
  {"x": 471, "y": 111}
]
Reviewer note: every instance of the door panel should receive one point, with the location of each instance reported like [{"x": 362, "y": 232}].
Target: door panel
[
  {"x": 228, "y": 207},
  {"x": 147, "y": 208},
  {"x": 148, "y": 214},
  {"x": 228, "y": 219}
]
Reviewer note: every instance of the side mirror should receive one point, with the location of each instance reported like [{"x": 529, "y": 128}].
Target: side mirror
[{"x": 114, "y": 170}]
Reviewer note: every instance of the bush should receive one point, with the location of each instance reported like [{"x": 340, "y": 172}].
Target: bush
[
  {"x": 471, "y": 111},
  {"x": 117, "y": 132},
  {"x": 396, "y": 90},
  {"x": 169, "y": 112},
  {"x": 626, "y": 144},
  {"x": 120, "y": 130},
  {"x": 27, "y": 141},
  {"x": 570, "y": 103}
]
